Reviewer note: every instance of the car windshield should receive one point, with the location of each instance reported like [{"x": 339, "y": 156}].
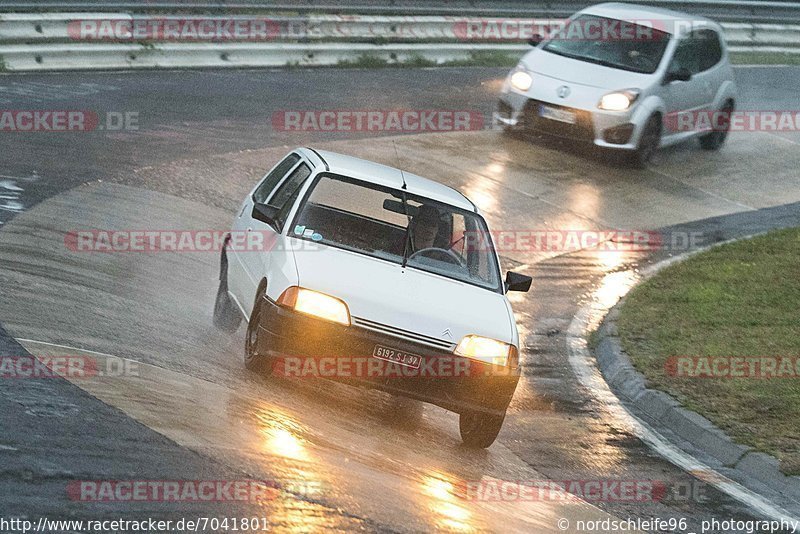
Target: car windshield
[
  {"x": 611, "y": 43},
  {"x": 402, "y": 228}
]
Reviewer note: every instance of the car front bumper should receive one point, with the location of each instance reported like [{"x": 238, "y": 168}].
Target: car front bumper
[
  {"x": 452, "y": 382},
  {"x": 614, "y": 130}
]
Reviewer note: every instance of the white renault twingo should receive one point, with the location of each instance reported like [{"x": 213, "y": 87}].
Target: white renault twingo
[
  {"x": 627, "y": 78},
  {"x": 365, "y": 262}
]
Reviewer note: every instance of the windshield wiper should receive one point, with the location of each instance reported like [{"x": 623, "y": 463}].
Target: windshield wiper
[
  {"x": 592, "y": 59},
  {"x": 606, "y": 63},
  {"x": 555, "y": 50},
  {"x": 407, "y": 239}
]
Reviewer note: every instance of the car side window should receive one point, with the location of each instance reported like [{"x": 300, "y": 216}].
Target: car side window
[
  {"x": 262, "y": 192},
  {"x": 685, "y": 57},
  {"x": 709, "y": 48},
  {"x": 288, "y": 191}
]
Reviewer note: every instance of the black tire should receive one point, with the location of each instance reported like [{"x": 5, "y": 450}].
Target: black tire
[
  {"x": 648, "y": 142},
  {"x": 253, "y": 360},
  {"x": 714, "y": 140},
  {"x": 226, "y": 315},
  {"x": 479, "y": 429}
]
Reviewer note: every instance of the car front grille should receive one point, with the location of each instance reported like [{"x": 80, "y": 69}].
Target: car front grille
[
  {"x": 405, "y": 335},
  {"x": 582, "y": 130}
]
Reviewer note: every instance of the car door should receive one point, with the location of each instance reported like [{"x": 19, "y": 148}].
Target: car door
[
  {"x": 711, "y": 70},
  {"x": 240, "y": 283},
  {"x": 684, "y": 99},
  {"x": 271, "y": 245}
]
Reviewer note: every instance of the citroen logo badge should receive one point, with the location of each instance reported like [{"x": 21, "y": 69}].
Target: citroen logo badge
[
  {"x": 563, "y": 91},
  {"x": 447, "y": 333}
]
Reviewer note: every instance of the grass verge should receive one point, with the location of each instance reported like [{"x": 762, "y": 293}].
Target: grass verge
[
  {"x": 476, "y": 59},
  {"x": 764, "y": 58},
  {"x": 740, "y": 299}
]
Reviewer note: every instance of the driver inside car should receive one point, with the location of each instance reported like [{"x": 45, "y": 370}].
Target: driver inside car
[{"x": 424, "y": 229}]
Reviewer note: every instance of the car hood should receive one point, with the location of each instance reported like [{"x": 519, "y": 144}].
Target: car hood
[
  {"x": 582, "y": 73},
  {"x": 407, "y": 299}
]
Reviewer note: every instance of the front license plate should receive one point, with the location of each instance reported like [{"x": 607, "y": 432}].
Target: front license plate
[
  {"x": 397, "y": 356},
  {"x": 556, "y": 114}
]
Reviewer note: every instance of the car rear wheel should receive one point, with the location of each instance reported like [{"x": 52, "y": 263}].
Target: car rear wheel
[
  {"x": 253, "y": 359},
  {"x": 715, "y": 139},
  {"x": 648, "y": 142},
  {"x": 479, "y": 429},
  {"x": 226, "y": 314}
]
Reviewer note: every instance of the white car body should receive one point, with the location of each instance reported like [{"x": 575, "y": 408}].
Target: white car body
[
  {"x": 335, "y": 236},
  {"x": 374, "y": 290},
  {"x": 580, "y": 85}
]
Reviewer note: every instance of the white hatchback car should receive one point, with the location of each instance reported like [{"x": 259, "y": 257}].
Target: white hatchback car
[
  {"x": 364, "y": 261},
  {"x": 625, "y": 77}
]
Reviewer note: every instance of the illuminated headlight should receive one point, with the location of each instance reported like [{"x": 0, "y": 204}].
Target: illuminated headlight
[
  {"x": 520, "y": 79},
  {"x": 487, "y": 350},
  {"x": 619, "y": 100},
  {"x": 315, "y": 304}
]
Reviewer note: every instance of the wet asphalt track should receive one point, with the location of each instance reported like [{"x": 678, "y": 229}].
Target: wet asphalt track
[{"x": 204, "y": 138}]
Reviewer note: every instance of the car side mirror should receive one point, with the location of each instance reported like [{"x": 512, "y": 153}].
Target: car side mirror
[
  {"x": 517, "y": 282},
  {"x": 265, "y": 213},
  {"x": 680, "y": 75},
  {"x": 535, "y": 39}
]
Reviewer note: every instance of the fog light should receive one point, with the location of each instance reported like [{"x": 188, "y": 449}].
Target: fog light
[{"x": 618, "y": 135}]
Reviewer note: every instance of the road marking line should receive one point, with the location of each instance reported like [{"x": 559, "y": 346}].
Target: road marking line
[
  {"x": 23, "y": 340},
  {"x": 582, "y": 362},
  {"x": 709, "y": 193},
  {"x": 773, "y": 134}
]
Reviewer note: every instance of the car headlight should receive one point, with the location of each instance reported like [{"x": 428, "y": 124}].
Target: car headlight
[
  {"x": 521, "y": 80},
  {"x": 487, "y": 350},
  {"x": 315, "y": 304},
  {"x": 618, "y": 100}
]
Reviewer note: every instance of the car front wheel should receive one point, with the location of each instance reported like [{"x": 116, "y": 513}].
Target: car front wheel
[
  {"x": 715, "y": 139},
  {"x": 648, "y": 142},
  {"x": 479, "y": 429},
  {"x": 253, "y": 359}
]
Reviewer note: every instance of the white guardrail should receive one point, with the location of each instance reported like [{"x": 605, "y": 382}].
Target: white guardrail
[{"x": 78, "y": 41}]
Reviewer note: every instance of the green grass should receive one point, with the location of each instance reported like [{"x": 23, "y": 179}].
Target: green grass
[
  {"x": 365, "y": 61},
  {"x": 487, "y": 58},
  {"x": 476, "y": 59},
  {"x": 740, "y": 299},
  {"x": 764, "y": 58}
]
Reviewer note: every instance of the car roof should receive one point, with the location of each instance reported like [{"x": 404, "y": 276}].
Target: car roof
[
  {"x": 637, "y": 12},
  {"x": 379, "y": 174}
]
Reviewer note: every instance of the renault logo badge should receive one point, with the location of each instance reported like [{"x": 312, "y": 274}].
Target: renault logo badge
[{"x": 563, "y": 91}]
